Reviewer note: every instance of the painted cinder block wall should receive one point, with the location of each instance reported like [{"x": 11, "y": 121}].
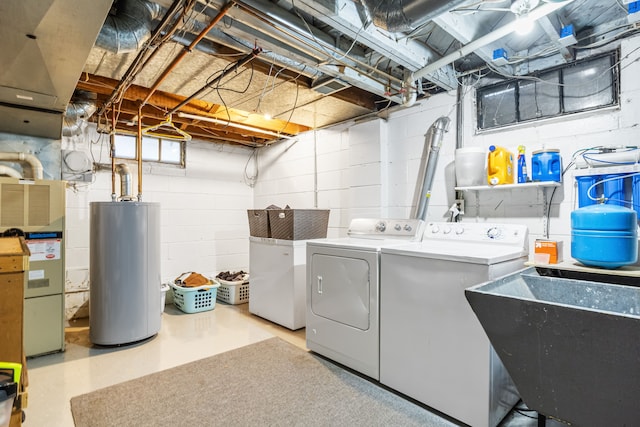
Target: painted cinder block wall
[{"x": 383, "y": 158}]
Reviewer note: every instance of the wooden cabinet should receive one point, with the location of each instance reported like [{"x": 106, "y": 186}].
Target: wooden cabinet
[{"x": 14, "y": 263}]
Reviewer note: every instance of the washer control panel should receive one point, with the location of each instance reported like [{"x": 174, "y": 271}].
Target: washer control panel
[
  {"x": 509, "y": 234},
  {"x": 411, "y": 229}
]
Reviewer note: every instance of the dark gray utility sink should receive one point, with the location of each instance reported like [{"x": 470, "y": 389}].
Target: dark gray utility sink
[{"x": 572, "y": 347}]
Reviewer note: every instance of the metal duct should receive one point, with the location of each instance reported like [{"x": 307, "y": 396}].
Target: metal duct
[
  {"x": 126, "y": 185},
  {"x": 130, "y": 26},
  {"x": 406, "y": 15},
  {"x": 37, "y": 171},
  {"x": 81, "y": 107},
  {"x": 433, "y": 141}
]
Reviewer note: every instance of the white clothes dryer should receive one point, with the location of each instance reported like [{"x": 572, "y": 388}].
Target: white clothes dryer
[
  {"x": 343, "y": 279},
  {"x": 432, "y": 346}
]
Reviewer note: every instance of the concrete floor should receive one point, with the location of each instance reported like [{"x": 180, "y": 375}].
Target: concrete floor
[{"x": 54, "y": 379}]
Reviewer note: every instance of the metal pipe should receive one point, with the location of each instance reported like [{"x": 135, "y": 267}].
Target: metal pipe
[
  {"x": 126, "y": 185},
  {"x": 133, "y": 69},
  {"x": 37, "y": 171},
  {"x": 248, "y": 58},
  {"x": 234, "y": 125},
  {"x": 433, "y": 140},
  {"x": 129, "y": 28},
  {"x": 112, "y": 141},
  {"x": 139, "y": 152},
  {"x": 465, "y": 50},
  {"x": 188, "y": 49},
  {"x": 405, "y": 15}
]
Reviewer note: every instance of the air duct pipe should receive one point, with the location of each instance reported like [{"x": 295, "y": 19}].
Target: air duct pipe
[
  {"x": 126, "y": 185},
  {"x": 37, "y": 171},
  {"x": 130, "y": 26},
  {"x": 406, "y": 15},
  {"x": 433, "y": 141},
  {"x": 78, "y": 111},
  {"x": 9, "y": 171}
]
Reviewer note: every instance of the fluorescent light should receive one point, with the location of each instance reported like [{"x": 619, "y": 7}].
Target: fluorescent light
[{"x": 234, "y": 125}]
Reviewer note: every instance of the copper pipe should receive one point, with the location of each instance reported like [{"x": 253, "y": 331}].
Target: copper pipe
[
  {"x": 112, "y": 140},
  {"x": 188, "y": 49},
  {"x": 139, "y": 152}
]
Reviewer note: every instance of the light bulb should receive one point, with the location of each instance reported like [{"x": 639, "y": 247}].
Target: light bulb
[
  {"x": 524, "y": 24},
  {"x": 267, "y": 116}
]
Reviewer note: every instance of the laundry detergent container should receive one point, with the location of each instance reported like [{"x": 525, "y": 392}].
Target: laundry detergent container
[{"x": 604, "y": 236}]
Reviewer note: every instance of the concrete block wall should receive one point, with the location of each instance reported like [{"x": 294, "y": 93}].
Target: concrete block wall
[
  {"x": 204, "y": 225},
  {"x": 397, "y": 145}
]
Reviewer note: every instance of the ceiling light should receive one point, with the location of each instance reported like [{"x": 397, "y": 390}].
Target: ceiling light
[
  {"x": 524, "y": 24},
  {"x": 234, "y": 125},
  {"x": 267, "y": 116}
]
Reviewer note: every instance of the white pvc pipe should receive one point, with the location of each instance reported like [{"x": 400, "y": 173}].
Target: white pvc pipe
[
  {"x": 9, "y": 171},
  {"x": 36, "y": 167}
]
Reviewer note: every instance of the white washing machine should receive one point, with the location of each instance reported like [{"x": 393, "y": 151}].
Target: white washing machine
[
  {"x": 432, "y": 346},
  {"x": 343, "y": 277}
]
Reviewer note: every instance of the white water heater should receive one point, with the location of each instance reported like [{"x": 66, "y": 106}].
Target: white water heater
[{"x": 125, "y": 288}]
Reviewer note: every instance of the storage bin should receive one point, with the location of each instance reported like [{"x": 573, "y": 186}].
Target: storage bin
[
  {"x": 298, "y": 224},
  {"x": 233, "y": 292},
  {"x": 197, "y": 299},
  {"x": 259, "y": 222}
]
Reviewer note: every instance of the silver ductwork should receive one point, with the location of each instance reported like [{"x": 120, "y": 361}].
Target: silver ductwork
[
  {"x": 405, "y": 15},
  {"x": 79, "y": 110},
  {"x": 126, "y": 184},
  {"x": 433, "y": 142},
  {"x": 129, "y": 26},
  {"x": 37, "y": 171}
]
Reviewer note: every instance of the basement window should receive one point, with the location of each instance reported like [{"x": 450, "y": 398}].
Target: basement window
[
  {"x": 153, "y": 149},
  {"x": 584, "y": 85}
]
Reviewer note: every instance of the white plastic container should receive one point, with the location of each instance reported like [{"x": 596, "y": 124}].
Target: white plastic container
[
  {"x": 470, "y": 166},
  {"x": 163, "y": 299}
]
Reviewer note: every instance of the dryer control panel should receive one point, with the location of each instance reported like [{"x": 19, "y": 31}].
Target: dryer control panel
[{"x": 410, "y": 229}]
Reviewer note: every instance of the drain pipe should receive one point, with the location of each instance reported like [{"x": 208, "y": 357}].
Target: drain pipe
[
  {"x": 433, "y": 140},
  {"x": 37, "y": 171}
]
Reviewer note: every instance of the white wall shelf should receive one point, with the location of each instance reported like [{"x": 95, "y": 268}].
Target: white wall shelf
[{"x": 511, "y": 186}]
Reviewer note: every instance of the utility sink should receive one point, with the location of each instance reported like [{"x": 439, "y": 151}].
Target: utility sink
[{"x": 572, "y": 347}]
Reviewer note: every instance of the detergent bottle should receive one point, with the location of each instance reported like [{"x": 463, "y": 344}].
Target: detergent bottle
[
  {"x": 499, "y": 166},
  {"x": 522, "y": 165}
]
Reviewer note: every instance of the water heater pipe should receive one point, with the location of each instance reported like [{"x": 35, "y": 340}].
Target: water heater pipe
[
  {"x": 433, "y": 140},
  {"x": 37, "y": 171},
  {"x": 126, "y": 185}
]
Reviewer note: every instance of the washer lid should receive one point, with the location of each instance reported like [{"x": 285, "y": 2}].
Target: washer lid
[
  {"x": 365, "y": 244},
  {"x": 459, "y": 252}
]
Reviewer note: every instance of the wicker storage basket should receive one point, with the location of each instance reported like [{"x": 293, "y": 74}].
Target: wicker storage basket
[
  {"x": 298, "y": 224},
  {"x": 259, "y": 222}
]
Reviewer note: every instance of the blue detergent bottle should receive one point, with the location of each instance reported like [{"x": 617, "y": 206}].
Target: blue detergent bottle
[{"x": 522, "y": 165}]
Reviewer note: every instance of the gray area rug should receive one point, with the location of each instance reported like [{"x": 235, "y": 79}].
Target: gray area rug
[{"x": 270, "y": 383}]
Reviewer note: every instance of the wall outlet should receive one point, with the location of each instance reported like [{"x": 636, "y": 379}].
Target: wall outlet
[{"x": 460, "y": 205}]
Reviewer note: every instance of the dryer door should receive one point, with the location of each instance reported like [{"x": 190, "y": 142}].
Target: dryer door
[{"x": 341, "y": 288}]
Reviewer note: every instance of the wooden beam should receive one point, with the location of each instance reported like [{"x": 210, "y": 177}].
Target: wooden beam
[{"x": 164, "y": 101}]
